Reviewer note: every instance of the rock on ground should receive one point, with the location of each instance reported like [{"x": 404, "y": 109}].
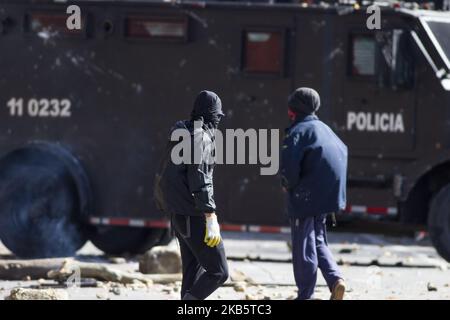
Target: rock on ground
[
  {"x": 240, "y": 286},
  {"x": 160, "y": 260},
  {"x": 37, "y": 294}
]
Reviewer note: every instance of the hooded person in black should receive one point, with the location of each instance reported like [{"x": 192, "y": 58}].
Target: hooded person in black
[
  {"x": 185, "y": 192},
  {"x": 207, "y": 108}
]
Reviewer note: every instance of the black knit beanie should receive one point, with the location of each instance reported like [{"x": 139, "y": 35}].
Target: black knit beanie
[{"x": 304, "y": 100}]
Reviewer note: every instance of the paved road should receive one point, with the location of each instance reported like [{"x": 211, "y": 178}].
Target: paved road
[{"x": 376, "y": 267}]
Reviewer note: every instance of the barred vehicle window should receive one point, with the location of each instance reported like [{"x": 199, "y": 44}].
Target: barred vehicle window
[
  {"x": 169, "y": 28},
  {"x": 363, "y": 55},
  {"x": 52, "y": 24},
  {"x": 263, "y": 51}
]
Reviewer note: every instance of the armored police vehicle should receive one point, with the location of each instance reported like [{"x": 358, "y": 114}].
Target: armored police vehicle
[{"x": 85, "y": 112}]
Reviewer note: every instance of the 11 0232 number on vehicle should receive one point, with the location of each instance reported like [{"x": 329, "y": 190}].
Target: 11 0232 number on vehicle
[{"x": 42, "y": 108}]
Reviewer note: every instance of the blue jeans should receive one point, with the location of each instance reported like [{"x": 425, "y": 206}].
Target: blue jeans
[{"x": 310, "y": 252}]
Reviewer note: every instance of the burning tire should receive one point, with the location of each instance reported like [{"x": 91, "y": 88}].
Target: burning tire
[
  {"x": 126, "y": 240},
  {"x": 439, "y": 222},
  {"x": 42, "y": 200}
]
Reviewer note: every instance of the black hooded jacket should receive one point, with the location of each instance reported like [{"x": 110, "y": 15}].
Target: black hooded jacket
[{"x": 187, "y": 188}]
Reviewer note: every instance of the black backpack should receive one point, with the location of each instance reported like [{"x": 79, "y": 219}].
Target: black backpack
[{"x": 158, "y": 194}]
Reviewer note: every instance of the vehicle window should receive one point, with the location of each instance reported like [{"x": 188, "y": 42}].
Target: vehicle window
[
  {"x": 263, "y": 51},
  {"x": 363, "y": 55},
  {"x": 174, "y": 28},
  {"x": 395, "y": 66},
  {"x": 48, "y": 24},
  {"x": 441, "y": 31}
]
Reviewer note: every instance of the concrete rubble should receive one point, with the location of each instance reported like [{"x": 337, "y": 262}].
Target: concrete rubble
[
  {"x": 37, "y": 294},
  {"x": 240, "y": 286},
  {"x": 160, "y": 260},
  {"x": 431, "y": 287},
  {"x": 375, "y": 268}
]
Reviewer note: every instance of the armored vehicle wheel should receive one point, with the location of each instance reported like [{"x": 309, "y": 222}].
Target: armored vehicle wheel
[
  {"x": 40, "y": 208},
  {"x": 126, "y": 240},
  {"x": 439, "y": 222},
  {"x": 165, "y": 238}
]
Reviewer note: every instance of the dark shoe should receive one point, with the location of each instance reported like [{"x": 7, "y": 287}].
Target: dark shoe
[{"x": 338, "y": 290}]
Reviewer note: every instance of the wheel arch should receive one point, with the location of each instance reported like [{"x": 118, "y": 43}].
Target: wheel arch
[{"x": 421, "y": 188}]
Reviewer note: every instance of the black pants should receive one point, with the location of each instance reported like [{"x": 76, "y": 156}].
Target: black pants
[{"x": 204, "y": 268}]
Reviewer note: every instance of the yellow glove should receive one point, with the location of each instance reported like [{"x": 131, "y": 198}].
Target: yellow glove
[{"x": 212, "y": 232}]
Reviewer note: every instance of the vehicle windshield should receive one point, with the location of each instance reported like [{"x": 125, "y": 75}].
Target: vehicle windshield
[{"x": 440, "y": 29}]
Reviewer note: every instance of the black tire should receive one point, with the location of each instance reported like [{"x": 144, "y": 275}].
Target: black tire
[
  {"x": 166, "y": 238},
  {"x": 126, "y": 240},
  {"x": 39, "y": 205},
  {"x": 439, "y": 222}
]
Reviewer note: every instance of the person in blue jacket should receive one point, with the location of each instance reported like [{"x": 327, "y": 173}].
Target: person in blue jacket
[{"x": 314, "y": 173}]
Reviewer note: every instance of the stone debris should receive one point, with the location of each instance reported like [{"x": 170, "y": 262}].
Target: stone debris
[
  {"x": 261, "y": 291},
  {"x": 167, "y": 290},
  {"x": 160, "y": 260},
  {"x": 137, "y": 286},
  {"x": 101, "y": 296},
  {"x": 277, "y": 295},
  {"x": 250, "y": 297},
  {"x": 37, "y": 294},
  {"x": 116, "y": 290},
  {"x": 117, "y": 277},
  {"x": 117, "y": 260},
  {"x": 164, "y": 278},
  {"x": 239, "y": 276},
  {"x": 240, "y": 286},
  {"x": 177, "y": 286},
  {"x": 431, "y": 287}
]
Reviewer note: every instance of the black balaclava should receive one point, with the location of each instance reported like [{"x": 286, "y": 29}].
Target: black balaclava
[
  {"x": 304, "y": 101},
  {"x": 207, "y": 107}
]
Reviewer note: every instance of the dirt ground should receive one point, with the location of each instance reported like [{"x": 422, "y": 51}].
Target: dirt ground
[{"x": 375, "y": 267}]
